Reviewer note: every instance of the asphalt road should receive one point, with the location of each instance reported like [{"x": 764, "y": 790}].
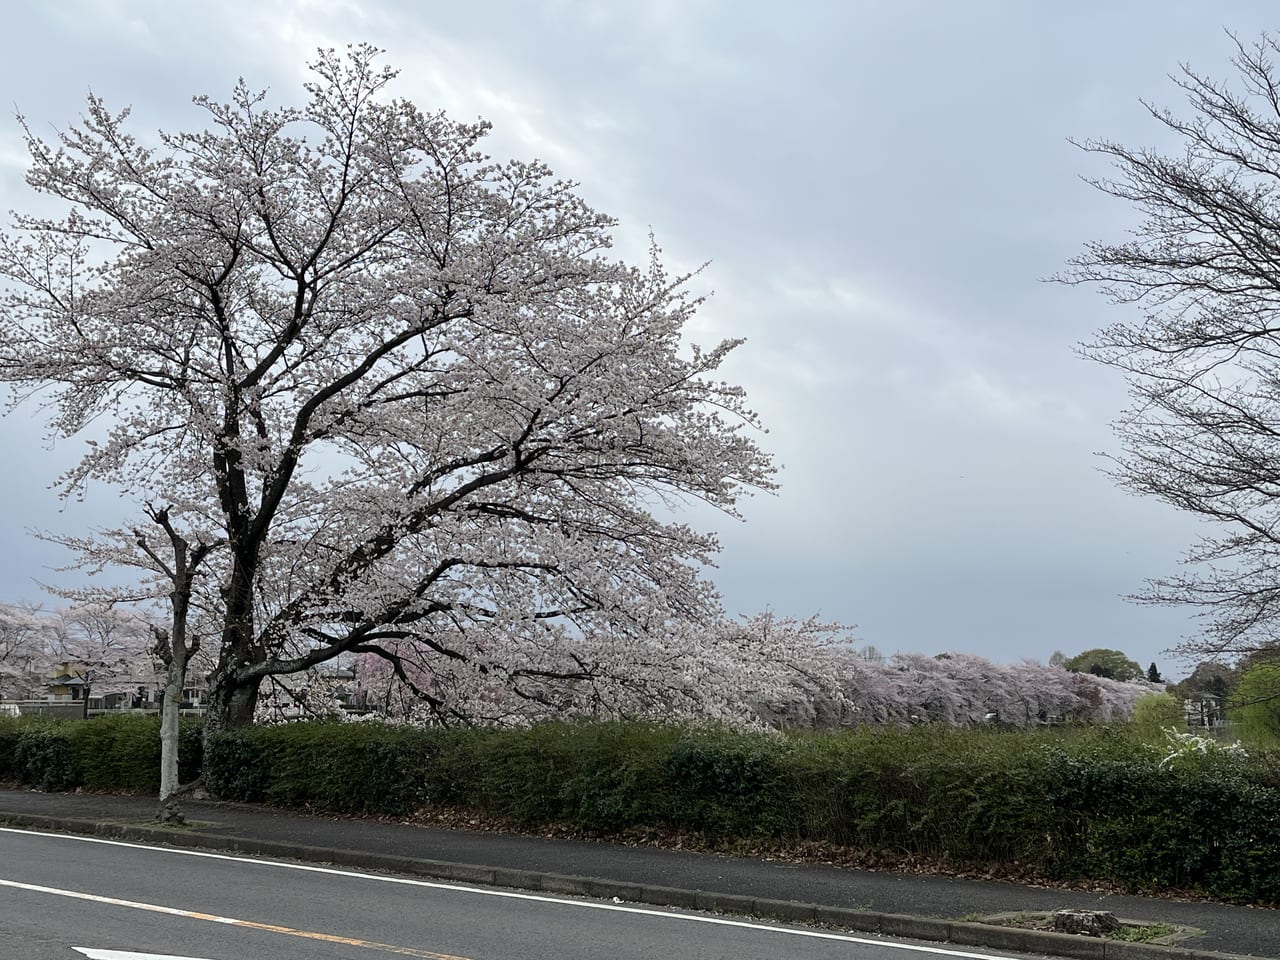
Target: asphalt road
[{"x": 72, "y": 898}]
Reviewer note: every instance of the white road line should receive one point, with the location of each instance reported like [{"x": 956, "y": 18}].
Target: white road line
[
  {"x": 514, "y": 895},
  {"x": 94, "y": 954},
  {"x": 233, "y": 922}
]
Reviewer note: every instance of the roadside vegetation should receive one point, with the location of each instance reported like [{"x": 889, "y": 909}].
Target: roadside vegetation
[{"x": 1113, "y": 805}]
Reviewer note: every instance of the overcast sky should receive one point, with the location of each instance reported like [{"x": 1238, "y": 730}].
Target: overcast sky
[{"x": 880, "y": 188}]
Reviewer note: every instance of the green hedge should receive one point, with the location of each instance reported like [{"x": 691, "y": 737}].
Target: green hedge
[
  {"x": 106, "y": 753},
  {"x": 1088, "y": 804},
  {"x": 330, "y": 766},
  {"x": 1092, "y": 804}
]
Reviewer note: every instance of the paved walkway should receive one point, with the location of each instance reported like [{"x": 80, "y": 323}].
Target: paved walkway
[{"x": 889, "y": 903}]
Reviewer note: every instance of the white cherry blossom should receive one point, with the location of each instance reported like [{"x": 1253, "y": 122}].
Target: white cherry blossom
[{"x": 399, "y": 390}]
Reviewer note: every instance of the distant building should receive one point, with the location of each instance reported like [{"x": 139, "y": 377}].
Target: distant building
[{"x": 1205, "y": 710}]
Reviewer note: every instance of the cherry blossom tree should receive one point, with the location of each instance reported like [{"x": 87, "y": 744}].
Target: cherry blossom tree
[
  {"x": 741, "y": 670},
  {"x": 168, "y": 560},
  {"x": 178, "y": 568},
  {"x": 103, "y": 647},
  {"x": 404, "y": 387},
  {"x": 807, "y": 675},
  {"x": 843, "y": 688},
  {"x": 22, "y": 655}
]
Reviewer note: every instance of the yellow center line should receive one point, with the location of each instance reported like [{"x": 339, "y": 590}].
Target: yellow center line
[{"x": 234, "y": 922}]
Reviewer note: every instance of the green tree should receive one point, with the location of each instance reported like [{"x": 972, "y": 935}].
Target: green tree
[
  {"x": 1153, "y": 675},
  {"x": 1101, "y": 662},
  {"x": 1209, "y": 678},
  {"x": 1255, "y": 706},
  {"x": 1157, "y": 712}
]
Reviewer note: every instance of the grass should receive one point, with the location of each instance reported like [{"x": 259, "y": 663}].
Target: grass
[
  {"x": 1146, "y": 932},
  {"x": 1129, "y": 932}
]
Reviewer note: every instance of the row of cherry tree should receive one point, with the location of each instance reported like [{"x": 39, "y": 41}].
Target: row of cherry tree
[
  {"x": 808, "y": 676},
  {"x": 959, "y": 690},
  {"x": 811, "y": 677},
  {"x": 108, "y": 649}
]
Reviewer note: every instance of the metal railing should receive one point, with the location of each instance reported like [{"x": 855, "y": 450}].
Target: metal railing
[
  {"x": 65, "y": 709},
  {"x": 74, "y": 709}
]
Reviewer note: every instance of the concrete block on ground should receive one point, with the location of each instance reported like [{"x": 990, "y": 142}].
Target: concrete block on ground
[
  {"x": 1034, "y": 941},
  {"x": 669, "y": 897},
  {"x": 723, "y": 902},
  {"x": 866, "y": 921},
  {"x": 520, "y": 879},
  {"x": 789, "y": 911},
  {"x": 915, "y": 928},
  {"x": 566, "y": 884}
]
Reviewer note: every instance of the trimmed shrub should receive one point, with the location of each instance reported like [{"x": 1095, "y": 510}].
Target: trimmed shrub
[
  {"x": 727, "y": 783},
  {"x": 233, "y": 767},
  {"x": 43, "y": 758},
  {"x": 600, "y": 777},
  {"x": 331, "y": 766},
  {"x": 190, "y": 749},
  {"x": 123, "y": 752},
  {"x": 120, "y": 753},
  {"x": 1086, "y": 803},
  {"x": 1200, "y": 824},
  {"x": 10, "y": 731},
  {"x": 976, "y": 797}
]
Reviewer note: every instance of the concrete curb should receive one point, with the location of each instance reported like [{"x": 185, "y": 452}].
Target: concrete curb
[{"x": 787, "y": 911}]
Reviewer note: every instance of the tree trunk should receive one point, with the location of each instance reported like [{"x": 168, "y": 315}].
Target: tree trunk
[
  {"x": 231, "y": 703},
  {"x": 232, "y": 700},
  {"x": 175, "y": 650},
  {"x": 170, "y": 707}
]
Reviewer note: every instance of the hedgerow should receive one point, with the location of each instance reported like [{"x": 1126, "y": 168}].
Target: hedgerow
[
  {"x": 330, "y": 766},
  {"x": 1098, "y": 804},
  {"x": 106, "y": 753}
]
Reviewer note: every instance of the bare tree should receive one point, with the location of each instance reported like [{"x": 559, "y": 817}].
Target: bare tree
[{"x": 1202, "y": 361}]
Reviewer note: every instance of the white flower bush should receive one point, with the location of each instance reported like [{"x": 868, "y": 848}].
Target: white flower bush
[{"x": 1180, "y": 746}]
